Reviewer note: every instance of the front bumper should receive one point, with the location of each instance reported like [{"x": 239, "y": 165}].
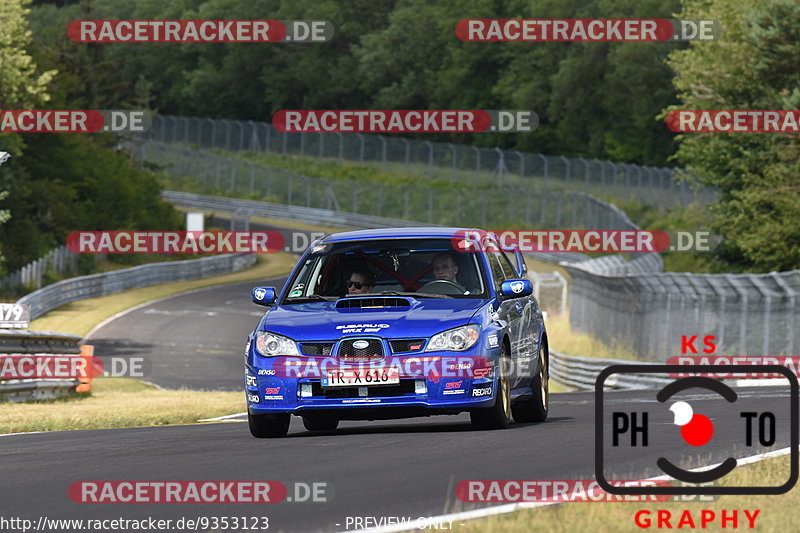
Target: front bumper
[{"x": 430, "y": 383}]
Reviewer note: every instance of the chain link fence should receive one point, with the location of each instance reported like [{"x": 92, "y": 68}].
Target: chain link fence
[
  {"x": 58, "y": 261},
  {"x": 453, "y": 163},
  {"x": 615, "y": 300},
  {"x": 749, "y": 314},
  {"x": 204, "y": 172}
]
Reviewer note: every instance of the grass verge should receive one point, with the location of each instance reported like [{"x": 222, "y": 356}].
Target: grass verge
[
  {"x": 775, "y": 511},
  {"x": 119, "y": 403},
  {"x": 564, "y": 339},
  {"x": 81, "y": 316}
]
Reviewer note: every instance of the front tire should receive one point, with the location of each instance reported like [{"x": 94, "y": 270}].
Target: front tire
[
  {"x": 314, "y": 423},
  {"x": 268, "y": 426},
  {"x": 535, "y": 408},
  {"x": 497, "y": 416}
]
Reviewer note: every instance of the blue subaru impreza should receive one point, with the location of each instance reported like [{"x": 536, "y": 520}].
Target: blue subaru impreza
[{"x": 394, "y": 323}]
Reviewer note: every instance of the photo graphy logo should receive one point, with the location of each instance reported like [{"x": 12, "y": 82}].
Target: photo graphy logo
[{"x": 693, "y": 417}]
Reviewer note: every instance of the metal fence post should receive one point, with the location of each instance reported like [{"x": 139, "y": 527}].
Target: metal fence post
[
  {"x": 792, "y": 310},
  {"x": 408, "y": 154},
  {"x": 544, "y": 163},
  {"x": 361, "y": 150},
  {"x": 227, "y": 134},
  {"x": 477, "y": 165},
  {"x": 453, "y": 162},
  {"x": 566, "y": 165},
  {"x": 430, "y": 159},
  {"x": 213, "y": 132},
  {"x": 585, "y": 171},
  {"x": 521, "y": 165},
  {"x": 430, "y": 205}
]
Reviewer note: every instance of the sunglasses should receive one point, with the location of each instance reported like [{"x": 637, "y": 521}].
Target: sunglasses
[{"x": 357, "y": 284}]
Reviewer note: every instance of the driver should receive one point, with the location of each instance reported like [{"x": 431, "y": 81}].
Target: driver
[{"x": 444, "y": 268}]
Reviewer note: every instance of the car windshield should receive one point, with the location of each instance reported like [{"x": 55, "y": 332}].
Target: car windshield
[{"x": 422, "y": 268}]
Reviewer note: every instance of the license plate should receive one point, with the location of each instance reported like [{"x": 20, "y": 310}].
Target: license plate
[{"x": 362, "y": 377}]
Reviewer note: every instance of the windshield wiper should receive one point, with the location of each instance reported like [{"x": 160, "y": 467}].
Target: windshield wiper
[{"x": 416, "y": 294}]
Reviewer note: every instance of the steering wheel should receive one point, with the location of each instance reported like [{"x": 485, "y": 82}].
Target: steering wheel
[{"x": 441, "y": 286}]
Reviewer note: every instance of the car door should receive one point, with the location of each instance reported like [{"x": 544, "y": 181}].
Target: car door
[
  {"x": 508, "y": 308},
  {"x": 524, "y": 337}
]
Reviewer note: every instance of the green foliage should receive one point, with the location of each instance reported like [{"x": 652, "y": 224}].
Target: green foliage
[
  {"x": 21, "y": 84},
  {"x": 73, "y": 182},
  {"x": 594, "y": 99},
  {"x": 753, "y": 66}
]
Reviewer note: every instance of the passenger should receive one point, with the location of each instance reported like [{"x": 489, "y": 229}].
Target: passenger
[{"x": 360, "y": 282}]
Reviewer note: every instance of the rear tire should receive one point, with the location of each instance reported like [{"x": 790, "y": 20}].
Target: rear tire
[
  {"x": 268, "y": 426},
  {"x": 314, "y": 423},
  {"x": 536, "y": 407},
  {"x": 497, "y": 416}
]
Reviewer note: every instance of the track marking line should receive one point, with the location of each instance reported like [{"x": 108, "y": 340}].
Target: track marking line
[
  {"x": 159, "y": 300},
  {"x": 225, "y": 418},
  {"x": 512, "y": 507}
]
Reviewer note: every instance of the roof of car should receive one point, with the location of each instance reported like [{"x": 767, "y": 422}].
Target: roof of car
[{"x": 397, "y": 233}]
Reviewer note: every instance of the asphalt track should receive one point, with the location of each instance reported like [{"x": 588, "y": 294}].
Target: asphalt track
[
  {"x": 378, "y": 469},
  {"x": 194, "y": 340},
  {"x": 405, "y": 468}
]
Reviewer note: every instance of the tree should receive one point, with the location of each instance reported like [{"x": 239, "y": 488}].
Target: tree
[
  {"x": 21, "y": 84},
  {"x": 752, "y": 66}
]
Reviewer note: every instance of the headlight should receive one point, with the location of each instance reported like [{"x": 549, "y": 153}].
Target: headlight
[
  {"x": 269, "y": 344},
  {"x": 457, "y": 339}
]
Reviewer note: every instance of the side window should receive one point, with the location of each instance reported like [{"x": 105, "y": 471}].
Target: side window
[
  {"x": 508, "y": 267},
  {"x": 498, "y": 276}
]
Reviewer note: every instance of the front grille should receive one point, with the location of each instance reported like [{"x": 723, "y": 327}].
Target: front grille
[
  {"x": 406, "y": 386},
  {"x": 348, "y": 352},
  {"x": 316, "y": 348},
  {"x": 407, "y": 345}
]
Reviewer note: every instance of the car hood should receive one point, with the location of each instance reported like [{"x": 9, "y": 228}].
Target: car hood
[{"x": 324, "y": 321}]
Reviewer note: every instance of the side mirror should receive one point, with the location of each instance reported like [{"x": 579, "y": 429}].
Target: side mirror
[
  {"x": 516, "y": 288},
  {"x": 264, "y": 295}
]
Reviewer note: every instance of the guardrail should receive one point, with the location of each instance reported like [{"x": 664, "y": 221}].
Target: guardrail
[
  {"x": 252, "y": 208},
  {"x": 581, "y": 373},
  {"x": 23, "y": 342},
  {"x": 79, "y": 288}
]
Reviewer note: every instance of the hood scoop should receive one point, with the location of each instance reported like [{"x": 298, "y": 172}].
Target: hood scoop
[{"x": 373, "y": 302}]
